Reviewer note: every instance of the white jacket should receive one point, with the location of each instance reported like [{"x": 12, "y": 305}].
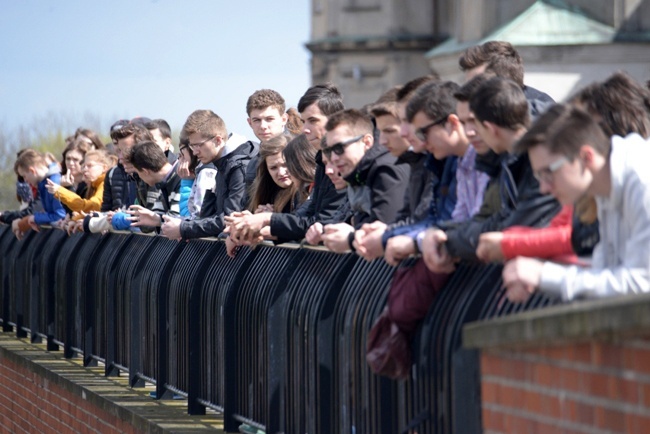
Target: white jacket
[{"x": 621, "y": 260}]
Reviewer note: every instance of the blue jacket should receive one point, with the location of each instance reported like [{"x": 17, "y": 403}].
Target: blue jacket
[
  {"x": 442, "y": 203},
  {"x": 52, "y": 209}
]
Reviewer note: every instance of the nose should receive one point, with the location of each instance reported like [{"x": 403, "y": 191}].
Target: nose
[
  {"x": 383, "y": 139},
  {"x": 306, "y": 128},
  {"x": 404, "y": 130}
]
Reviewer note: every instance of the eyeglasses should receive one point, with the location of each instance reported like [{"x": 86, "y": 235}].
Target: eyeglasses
[
  {"x": 421, "y": 133},
  {"x": 546, "y": 174},
  {"x": 339, "y": 148},
  {"x": 193, "y": 146}
]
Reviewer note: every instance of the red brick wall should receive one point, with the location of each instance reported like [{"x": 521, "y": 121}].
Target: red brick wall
[
  {"x": 31, "y": 404},
  {"x": 572, "y": 388}
]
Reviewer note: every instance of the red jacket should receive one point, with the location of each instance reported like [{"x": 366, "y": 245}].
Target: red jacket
[{"x": 552, "y": 242}]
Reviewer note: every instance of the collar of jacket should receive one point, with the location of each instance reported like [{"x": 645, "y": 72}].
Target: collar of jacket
[
  {"x": 409, "y": 157},
  {"x": 245, "y": 151},
  {"x": 360, "y": 173},
  {"x": 98, "y": 181},
  {"x": 488, "y": 163}
]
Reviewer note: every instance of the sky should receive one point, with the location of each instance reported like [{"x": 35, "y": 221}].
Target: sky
[{"x": 155, "y": 58}]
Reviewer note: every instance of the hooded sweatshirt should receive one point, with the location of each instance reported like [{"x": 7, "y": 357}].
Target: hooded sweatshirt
[{"x": 230, "y": 188}]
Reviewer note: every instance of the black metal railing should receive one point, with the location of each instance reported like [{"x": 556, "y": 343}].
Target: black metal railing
[{"x": 274, "y": 338}]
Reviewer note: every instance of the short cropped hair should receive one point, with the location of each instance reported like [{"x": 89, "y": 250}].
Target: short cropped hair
[
  {"x": 563, "y": 129},
  {"x": 327, "y": 97},
  {"x": 386, "y": 104},
  {"x": 138, "y": 131},
  {"x": 358, "y": 122},
  {"x": 507, "y": 67},
  {"x": 29, "y": 158},
  {"x": 206, "y": 123},
  {"x": 263, "y": 98},
  {"x": 409, "y": 88},
  {"x": 147, "y": 155},
  {"x": 501, "y": 102},
  {"x": 481, "y": 54},
  {"x": 465, "y": 92},
  {"x": 162, "y": 126},
  {"x": 621, "y": 103},
  {"x": 436, "y": 100}
]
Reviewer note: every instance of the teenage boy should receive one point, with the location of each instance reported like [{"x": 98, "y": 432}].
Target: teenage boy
[
  {"x": 267, "y": 119},
  {"x": 376, "y": 185},
  {"x": 502, "y": 59},
  {"x": 33, "y": 168},
  {"x": 369, "y": 239},
  {"x": 431, "y": 112},
  {"x": 210, "y": 142},
  {"x": 574, "y": 158},
  {"x": 266, "y": 114},
  {"x": 315, "y": 106},
  {"x": 502, "y": 118},
  {"x": 162, "y": 136},
  {"x": 122, "y": 187},
  {"x": 153, "y": 168}
]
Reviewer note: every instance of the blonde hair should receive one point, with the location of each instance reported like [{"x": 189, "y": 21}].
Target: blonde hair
[{"x": 100, "y": 156}]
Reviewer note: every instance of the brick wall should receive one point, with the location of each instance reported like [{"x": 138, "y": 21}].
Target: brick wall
[
  {"x": 29, "y": 403},
  {"x": 570, "y": 388}
]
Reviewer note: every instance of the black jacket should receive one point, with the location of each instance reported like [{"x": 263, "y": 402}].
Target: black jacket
[
  {"x": 376, "y": 188},
  {"x": 419, "y": 194},
  {"x": 119, "y": 190},
  {"x": 530, "y": 208},
  {"x": 227, "y": 197},
  {"x": 321, "y": 206}
]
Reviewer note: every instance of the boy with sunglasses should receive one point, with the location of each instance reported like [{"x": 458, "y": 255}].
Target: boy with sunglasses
[
  {"x": 431, "y": 112},
  {"x": 501, "y": 114},
  {"x": 376, "y": 185}
]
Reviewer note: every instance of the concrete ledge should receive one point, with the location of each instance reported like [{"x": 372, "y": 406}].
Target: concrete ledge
[
  {"x": 110, "y": 394},
  {"x": 605, "y": 320}
]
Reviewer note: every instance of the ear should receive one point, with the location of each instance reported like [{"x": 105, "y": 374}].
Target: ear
[
  {"x": 250, "y": 124},
  {"x": 587, "y": 154},
  {"x": 285, "y": 118},
  {"x": 368, "y": 140},
  {"x": 454, "y": 120}
]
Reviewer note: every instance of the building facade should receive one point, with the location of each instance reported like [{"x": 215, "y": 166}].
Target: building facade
[{"x": 368, "y": 46}]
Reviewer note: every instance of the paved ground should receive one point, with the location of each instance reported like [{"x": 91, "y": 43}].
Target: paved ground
[{"x": 135, "y": 404}]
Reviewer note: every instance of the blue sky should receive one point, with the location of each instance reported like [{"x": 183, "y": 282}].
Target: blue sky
[{"x": 160, "y": 59}]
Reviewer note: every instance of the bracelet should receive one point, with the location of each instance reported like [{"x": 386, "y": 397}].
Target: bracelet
[
  {"x": 350, "y": 241},
  {"x": 416, "y": 247}
]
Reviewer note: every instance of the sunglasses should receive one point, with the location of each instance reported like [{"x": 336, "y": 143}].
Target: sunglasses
[
  {"x": 421, "y": 133},
  {"x": 339, "y": 148}
]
